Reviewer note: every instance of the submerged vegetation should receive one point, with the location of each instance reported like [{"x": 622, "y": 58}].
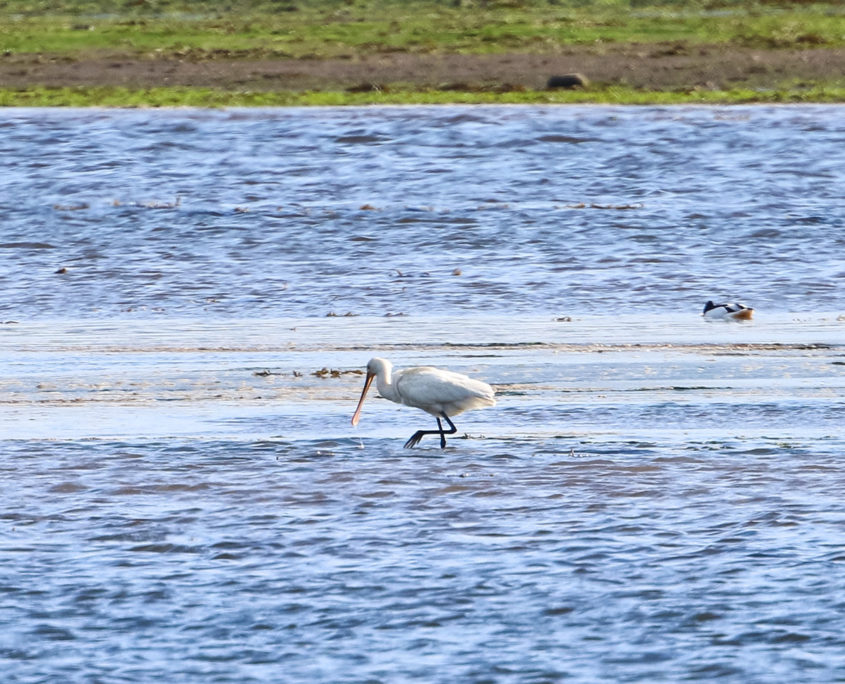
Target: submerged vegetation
[{"x": 67, "y": 31}]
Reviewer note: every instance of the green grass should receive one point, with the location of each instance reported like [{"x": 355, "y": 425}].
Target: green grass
[
  {"x": 207, "y": 29},
  {"x": 330, "y": 28},
  {"x": 206, "y": 97}
]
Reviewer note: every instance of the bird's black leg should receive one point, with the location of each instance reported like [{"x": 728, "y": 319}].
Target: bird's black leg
[
  {"x": 443, "y": 432},
  {"x": 418, "y": 435}
]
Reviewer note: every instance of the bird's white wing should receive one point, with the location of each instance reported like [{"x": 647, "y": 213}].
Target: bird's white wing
[{"x": 435, "y": 390}]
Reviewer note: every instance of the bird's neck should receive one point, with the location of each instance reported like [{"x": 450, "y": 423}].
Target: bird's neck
[{"x": 386, "y": 388}]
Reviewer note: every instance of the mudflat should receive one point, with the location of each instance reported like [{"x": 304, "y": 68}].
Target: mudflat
[
  {"x": 651, "y": 66},
  {"x": 344, "y": 51}
]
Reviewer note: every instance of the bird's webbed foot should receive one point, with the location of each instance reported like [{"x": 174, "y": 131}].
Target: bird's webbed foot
[
  {"x": 418, "y": 435},
  {"x": 415, "y": 439}
]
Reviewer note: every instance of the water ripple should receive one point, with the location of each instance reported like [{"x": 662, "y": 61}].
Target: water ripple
[
  {"x": 190, "y": 297},
  {"x": 154, "y": 210}
]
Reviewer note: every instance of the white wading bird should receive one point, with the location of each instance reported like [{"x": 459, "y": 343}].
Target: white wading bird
[
  {"x": 732, "y": 310},
  {"x": 439, "y": 392}
]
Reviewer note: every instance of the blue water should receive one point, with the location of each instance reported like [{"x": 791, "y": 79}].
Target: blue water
[
  {"x": 303, "y": 212},
  {"x": 189, "y": 298}
]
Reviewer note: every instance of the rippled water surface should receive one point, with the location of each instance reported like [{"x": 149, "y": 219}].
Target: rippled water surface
[
  {"x": 188, "y": 300},
  {"x": 303, "y": 212}
]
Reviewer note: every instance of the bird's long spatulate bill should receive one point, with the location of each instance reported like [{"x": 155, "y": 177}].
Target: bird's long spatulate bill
[{"x": 357, "y": 415}]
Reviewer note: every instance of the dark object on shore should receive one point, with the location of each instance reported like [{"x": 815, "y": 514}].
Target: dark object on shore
[
  {"x": 567, "y": 81},
  {"x": 367, "y": 87}
]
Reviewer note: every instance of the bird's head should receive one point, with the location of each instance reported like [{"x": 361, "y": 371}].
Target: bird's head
[{"x": 375, "y": 367}]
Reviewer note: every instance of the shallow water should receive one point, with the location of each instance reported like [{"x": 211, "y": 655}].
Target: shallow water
[
  {"x": 655, "y": 497},
  {"x": 304, "y": 212}
]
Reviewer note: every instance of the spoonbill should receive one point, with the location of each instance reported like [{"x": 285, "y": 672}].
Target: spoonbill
[
  {"x": 439, "y": 392},
  {"x": 732, "y": 310}
]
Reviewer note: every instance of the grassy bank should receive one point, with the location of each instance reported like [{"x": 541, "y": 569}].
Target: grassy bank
[
  {"x": 205, "y": 97},
  {"x": 328, "y": 28},
  {"x": 33, "y": 32}
]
